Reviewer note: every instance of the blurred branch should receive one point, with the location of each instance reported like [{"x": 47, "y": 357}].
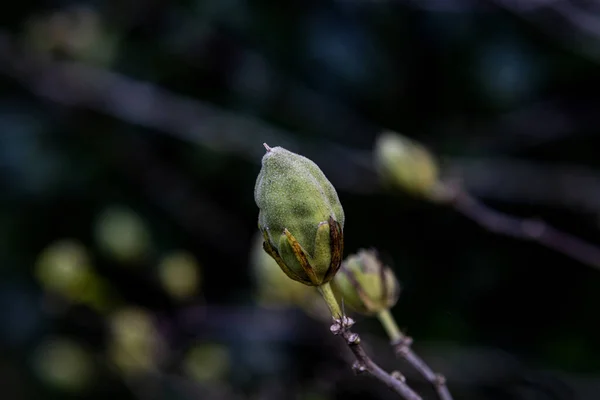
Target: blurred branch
[
  {"x": 526, "y": 229},
  {"x": 515, "y": 180},
  {"x": 141, "y": 103},
  {"x": 585, "y": 21},
  {"x": 529, "y": 126}
]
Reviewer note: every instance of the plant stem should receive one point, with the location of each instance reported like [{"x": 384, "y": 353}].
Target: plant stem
[
  {"x": 525, "y": 228},
  {"x": 341, "y": 327},
  {"x": 329, "y": 297},
  {"x": 363, "y": 363},
  {"x": 390, "y": 326},
  {"x": 401, "y": 344}
]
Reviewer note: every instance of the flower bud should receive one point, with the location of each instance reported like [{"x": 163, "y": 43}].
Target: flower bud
[
  {"x": 365, "y": 284},
  {"x": 300, "y": 217},
  {"x": 407, "y": 165}
]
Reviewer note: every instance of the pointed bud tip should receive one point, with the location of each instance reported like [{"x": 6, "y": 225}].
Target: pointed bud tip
[{"x": 267, "y": 147}]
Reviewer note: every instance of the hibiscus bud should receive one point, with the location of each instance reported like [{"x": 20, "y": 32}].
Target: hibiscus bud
[
  {"x": 405, "y": 164},
  {"x": 365, "y": 284},
  {"x": 300, "y": 217}
]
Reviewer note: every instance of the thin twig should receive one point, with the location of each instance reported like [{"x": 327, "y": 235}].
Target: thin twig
[
  {"x": 510, "y": 179},
  {"x": 403, "y": 349},
  {"x": 363, "y": 363},
  {"x": 526, "y": 228}
]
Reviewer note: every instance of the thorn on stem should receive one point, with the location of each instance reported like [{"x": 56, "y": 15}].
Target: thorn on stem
[
  {"x": 358, "y": 367},
  {"x": 353, "y": 338},
  {"x": 397, "y": 375},
  {"x": 440, "y": 380},
  {"x": 347, "y": 322},
  {"x": 335, "y": 328},
  {"x": 402, "y": 346}
]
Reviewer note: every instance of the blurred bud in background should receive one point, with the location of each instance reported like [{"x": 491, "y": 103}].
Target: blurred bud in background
[
  {"x": 403, "y": 164},
  {"x": 77, "y": 32},
  {"x": 179, "y": 274},
  {"x": 365, "y": 284},
  {"x": 64, "y": 268},
  {"x": 135, "y": 346},
  {"x": 63, "y": 364},
  {"x": 208, "y": 363},
  {"x": 275, "y": 289},
  {"x": 123, "y": 235}
]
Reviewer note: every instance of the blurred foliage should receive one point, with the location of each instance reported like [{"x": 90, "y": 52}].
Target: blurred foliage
[
  {"x": 179, "y": 274},
  {"x": 77, "y": 32},
  {"x": 121, "y": 234},
  {"x": 64, "y": 364},
  {"x": 207, "y": 363},
  {"x": 128, "y": 264},
  {"x": 134, "y": 341}
]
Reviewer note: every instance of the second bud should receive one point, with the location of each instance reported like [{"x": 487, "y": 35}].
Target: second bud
[{"x": 365, "y": 284}]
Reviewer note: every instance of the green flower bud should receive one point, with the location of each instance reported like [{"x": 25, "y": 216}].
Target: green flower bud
[
  {"x": 365, "y": 284},
  {"x": 300, "y": 217},
  {"x": 407, "y": 165}
]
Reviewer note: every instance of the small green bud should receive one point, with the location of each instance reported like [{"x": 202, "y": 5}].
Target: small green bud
[
  {"x": 365, "y": 284},
  {"x": 301, "y": 217},
  {"x": 407, "y": 165}
]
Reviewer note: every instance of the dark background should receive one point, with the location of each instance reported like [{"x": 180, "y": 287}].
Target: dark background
[{"x": 132, "y": 131}]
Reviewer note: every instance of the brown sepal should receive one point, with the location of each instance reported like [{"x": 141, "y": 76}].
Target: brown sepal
[
  {"x": 301, "y": 257},
  {"x": 336, "y": 241},
  {"x": 275, "y": 255}
]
